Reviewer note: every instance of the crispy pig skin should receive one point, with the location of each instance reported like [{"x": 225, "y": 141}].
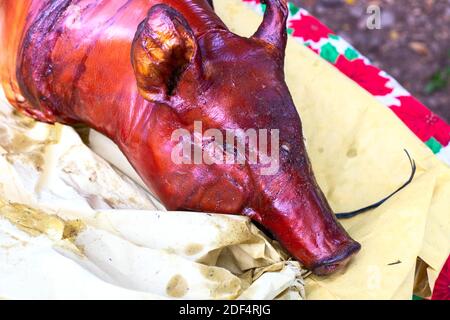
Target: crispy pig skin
[{"x": 136, "y": 70}]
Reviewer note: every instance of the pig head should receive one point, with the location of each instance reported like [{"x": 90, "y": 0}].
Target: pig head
[{"x": 187, "y": 69}]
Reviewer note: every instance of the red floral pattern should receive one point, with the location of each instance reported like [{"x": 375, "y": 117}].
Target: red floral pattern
[
  {"x": 367, "y": 76},
  {"x": 442, "y": 286},
  {"x": 421, "y": 120},
  {"x": 309, "y": 28}
]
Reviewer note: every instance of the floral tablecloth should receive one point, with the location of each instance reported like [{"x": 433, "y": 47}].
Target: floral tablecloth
[
  {"x": 431, "y": 129},
  {"x": 426, "y": 125}
]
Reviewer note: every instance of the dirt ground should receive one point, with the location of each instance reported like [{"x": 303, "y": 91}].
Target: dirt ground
[{"x": 413, "y": 44}]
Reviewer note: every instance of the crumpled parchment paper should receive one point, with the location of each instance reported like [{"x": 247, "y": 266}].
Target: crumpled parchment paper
[{"x": 73, "y": 226}]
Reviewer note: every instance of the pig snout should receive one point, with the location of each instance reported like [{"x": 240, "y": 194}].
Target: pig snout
[
  {"x": 295, "y": 211},
  {"x": 338, "y": 260}
]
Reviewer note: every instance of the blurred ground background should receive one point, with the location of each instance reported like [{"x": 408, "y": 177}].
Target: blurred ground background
[{"x": 413, "y": 44}]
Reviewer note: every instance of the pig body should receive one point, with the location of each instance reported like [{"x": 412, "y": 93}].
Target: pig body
[{"x": 139, "y": 70}]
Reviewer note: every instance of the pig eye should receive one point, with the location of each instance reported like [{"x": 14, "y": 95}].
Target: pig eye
[{"x": 286, "y": 148}]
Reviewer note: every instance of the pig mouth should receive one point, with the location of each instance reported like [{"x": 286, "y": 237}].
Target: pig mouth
[{"x": 339, "y": 260}]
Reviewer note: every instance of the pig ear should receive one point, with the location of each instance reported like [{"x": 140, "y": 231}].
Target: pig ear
[
  {"x": 273, "y": 28},
  {"x": 163, "y": 47}
]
